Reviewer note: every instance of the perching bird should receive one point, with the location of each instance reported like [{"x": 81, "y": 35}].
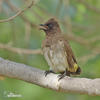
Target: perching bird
[{"x": 57, "y": 51}]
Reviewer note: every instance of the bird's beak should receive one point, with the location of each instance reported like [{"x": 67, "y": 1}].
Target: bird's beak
[{"x": 43, "y": 27}]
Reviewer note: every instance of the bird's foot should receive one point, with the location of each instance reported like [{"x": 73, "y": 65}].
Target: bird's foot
[
  {"x": 61, "y": 76},
  {"x": 48, "y": 72}
]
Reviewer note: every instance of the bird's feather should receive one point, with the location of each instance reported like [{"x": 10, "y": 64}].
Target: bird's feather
[
  {"x": 57, "y": 50},
  {"x": 56, "y": 57},
  {"x": 70, "y": 57}
]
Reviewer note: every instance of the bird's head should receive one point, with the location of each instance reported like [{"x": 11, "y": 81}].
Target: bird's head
[{"x": 50, "y": 27}]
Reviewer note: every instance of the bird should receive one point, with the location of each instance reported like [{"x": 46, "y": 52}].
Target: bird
[{"x": 57, "y": 51}]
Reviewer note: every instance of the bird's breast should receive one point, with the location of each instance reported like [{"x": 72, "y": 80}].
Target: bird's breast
[{"x": 56, "y": 56}]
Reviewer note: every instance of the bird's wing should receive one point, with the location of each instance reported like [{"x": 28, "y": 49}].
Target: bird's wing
[{"x": 70, "y": 57}]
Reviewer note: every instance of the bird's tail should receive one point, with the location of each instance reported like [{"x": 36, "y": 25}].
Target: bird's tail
[
  {"x": 78, "y": 71},
  {"x": 75, "y": 70}
]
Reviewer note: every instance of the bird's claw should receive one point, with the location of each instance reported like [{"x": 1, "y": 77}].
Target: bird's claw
[
  {"x": 61, "y": 76},
  {"x": 48, "y": 72}
]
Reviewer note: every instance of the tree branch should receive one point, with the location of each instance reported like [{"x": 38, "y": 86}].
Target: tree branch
[
  {"x": 17, "y": 14},
  {"x": 36, "y": 76}
]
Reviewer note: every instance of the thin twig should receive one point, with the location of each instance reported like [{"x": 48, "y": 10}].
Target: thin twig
[
  {"x": 82, "y": 41},
  {"x": 17, "y": 14},
  {"x": 94, "y": 39},
  {"x": 86, "y": 58},
  {"x": 20, "y": 50},
  {"x": 14, "y": 8}
]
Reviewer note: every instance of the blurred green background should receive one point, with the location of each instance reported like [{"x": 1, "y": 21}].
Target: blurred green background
[{"x": 80, "y": 22}]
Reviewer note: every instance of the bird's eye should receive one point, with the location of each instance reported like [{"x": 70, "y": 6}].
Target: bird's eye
[{"x": 50, "y": 25}]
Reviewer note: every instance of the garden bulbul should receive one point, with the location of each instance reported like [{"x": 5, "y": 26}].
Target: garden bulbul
[{"x": 57, "y": 51}]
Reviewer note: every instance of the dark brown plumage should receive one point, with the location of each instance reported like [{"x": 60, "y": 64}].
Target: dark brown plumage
[{"x": 57, "y": 51}]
